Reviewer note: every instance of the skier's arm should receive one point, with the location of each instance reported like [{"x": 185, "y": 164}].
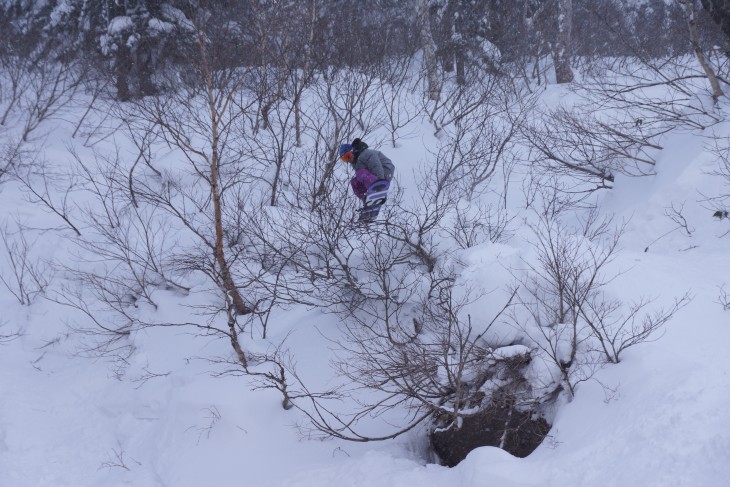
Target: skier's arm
[
  {"x": 375, "y": 166},
  {"x": 385, "y": 160}
]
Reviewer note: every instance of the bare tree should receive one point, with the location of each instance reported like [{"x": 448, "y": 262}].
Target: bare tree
[
  {"x": 29, "y": 276},
  {"x": 35, "y": 86},
  {"x": 295, "y": 255},
  {"x": 48, "y": 187},
  {"x": 12, "y": 152},
  {"x": 568, "y": 270},
  {"x": 272, "y": 369},
  {"x": 632, "y": 87},
  {"x": 395, "y": 86},
  {"x": 457, "y": 101},
  {"x": 481, "y": 145},
  {"x": 101, "y": 318},
  {"x": 616, "y": 329},
  {"x": 723, "y": 298},
  {"x": 479, "y": 223},
  {"x": 429, "y": 362},
  {"x": 117, "y": 459},
  {"x": 567, "y": 314},
  {"x": 589, "y": 148},
  {"x": 272, "y": 147},
  {"x": 34, "y": 89},
  {"x": 200, "y": 121}
]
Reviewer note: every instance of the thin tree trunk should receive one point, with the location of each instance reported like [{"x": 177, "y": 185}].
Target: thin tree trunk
[
  {"x": 694, "y": 39},
  {"x": 561, "y": 50},
  {"x": 305, "y": 74},
  {"x": 429, "y": 52},
  {"x": 220, "y": 257},
  {"x": 234, "y": 339}
]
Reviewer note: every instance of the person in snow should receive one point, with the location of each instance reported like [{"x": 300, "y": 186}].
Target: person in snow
[{"x": 370, "y": 165}]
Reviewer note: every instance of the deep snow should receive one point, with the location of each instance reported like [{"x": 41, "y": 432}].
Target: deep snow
[{"x": 659, "y": 418}]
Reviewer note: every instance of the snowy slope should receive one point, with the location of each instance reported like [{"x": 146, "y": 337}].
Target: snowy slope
[{"x": 659, "y": 418}]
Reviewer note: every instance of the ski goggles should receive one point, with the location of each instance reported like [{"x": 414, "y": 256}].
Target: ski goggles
[{"x": 347, "y": 157}]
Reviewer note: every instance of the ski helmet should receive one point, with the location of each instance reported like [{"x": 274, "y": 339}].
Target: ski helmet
[{"x": 344, "y": 149}]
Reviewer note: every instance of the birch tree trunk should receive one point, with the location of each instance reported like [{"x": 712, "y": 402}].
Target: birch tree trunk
[
  {"x": 218, "y": 104},
  {"x": 305, "y": 72},
  {"x": 429, "y": 52},
  {"x": 562, "y": 50},
  {"x": 694, "y": 38}
]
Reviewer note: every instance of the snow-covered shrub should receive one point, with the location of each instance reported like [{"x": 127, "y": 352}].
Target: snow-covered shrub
[{"x": 572, "y": 323}]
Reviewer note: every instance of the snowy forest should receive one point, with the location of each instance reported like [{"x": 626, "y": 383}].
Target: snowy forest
[{"x": 187, "y": 297}]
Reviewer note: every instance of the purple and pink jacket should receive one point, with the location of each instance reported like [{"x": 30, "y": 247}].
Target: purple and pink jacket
[{"x": 362, "y": 181}]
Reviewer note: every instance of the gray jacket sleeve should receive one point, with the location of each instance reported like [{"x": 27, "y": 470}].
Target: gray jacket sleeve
[{"x": 388, "y": 167}]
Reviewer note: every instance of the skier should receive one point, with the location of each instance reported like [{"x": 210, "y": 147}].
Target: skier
[{"x": 370, "y": 165}]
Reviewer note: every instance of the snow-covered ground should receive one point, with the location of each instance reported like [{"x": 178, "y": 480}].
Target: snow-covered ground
[{"x": 658, "y": 418}]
